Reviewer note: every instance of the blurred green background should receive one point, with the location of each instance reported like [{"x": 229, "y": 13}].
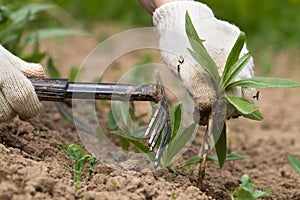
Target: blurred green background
[
  {"x": 271, "y": 25},
  {"x": 266, "y": 22}
]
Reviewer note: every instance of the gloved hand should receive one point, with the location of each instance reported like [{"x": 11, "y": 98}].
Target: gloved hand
[
  {"x": 17, "y": 95},
  {"x": 218, "y": 38}
]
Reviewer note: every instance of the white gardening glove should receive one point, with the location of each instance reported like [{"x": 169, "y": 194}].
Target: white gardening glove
[
  {"x": 218, "y": 38},
  {"x": 17, "y": 95}
]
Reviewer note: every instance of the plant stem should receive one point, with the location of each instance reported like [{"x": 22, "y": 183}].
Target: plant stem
[
  {"x": 203, "y": 154},
  {"x": 201, "y": 173}
]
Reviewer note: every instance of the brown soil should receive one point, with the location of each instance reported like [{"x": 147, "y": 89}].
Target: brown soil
[{"x": 34, "y": 167}]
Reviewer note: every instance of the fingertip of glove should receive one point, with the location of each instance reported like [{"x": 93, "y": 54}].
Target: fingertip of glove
[
  {"x": 33, "y": 70},
  {"x": 34, "y": 111},
  {"x": 21, "y": 96}
]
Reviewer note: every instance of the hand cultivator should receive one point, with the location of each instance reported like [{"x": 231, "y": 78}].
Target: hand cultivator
[{"x": 60, "y": 90}]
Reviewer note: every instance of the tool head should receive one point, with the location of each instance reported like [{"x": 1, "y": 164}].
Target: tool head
[{"x": 159, "y": 123}]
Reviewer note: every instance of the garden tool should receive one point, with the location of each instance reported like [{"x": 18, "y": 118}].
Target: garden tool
[{"x": 60, "y": 90}]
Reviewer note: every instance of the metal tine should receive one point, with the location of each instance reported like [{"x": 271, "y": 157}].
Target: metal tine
[
  {"x": 159, "y": 123},
  {"x": 165, "y": 136},
  {"x": 153, "y": 120},
  {"x": 157, "y": 131},
  {"x": 163, "y": 144},
  {"x": 166, "y": 123}
]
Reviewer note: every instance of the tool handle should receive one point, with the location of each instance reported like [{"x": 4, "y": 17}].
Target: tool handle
[{"x": 50, "y": 89}]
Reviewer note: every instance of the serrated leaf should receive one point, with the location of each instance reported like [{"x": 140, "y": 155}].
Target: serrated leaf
[
  {"x": 177, "y": 144},
  {"x": 295, "y": 164},
  {"x": 199, "y": 52},
  {"x": 234, "y": 71},
  {"x": 263, "y": 82},
  {"x": 234, "y": 53},
  {"x": 176, "y": 119},
  {"x": 221, "y": 147}
]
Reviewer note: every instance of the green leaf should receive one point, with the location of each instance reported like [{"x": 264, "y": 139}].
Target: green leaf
[
  {"x": 196, "y": 160},
  {"x": 221, "y": 146},
  {"x": 75, "y": 151},
  {"x": 229, "y": 157},
  {"x": 244, "y": 107},
  {"x": 199, "y": 52},
  {"x": 256, "y": 115},
  {"x": 177, "y": 144},
  {"x": 192, "y": 161},
  {"x": 176, "y": 119},
  {"x": 263, "y": 82},
  {"x": 241, "y": 105},
  {"x": 234, "y": 71},
  {"x": 53, "y": 32},
  {"x": 31, "y": 9},
  {"x": 74, "y": 73},
  {"x": 293, "y": 162},
  {"x": 137, "y": 144},
  {"x": 52, "y": 69},
  {"x": 207, "y": 63},
  {"x": 191, "y": 31},
  {"x": 121, "y": 113},
  {"x": 111, "y": 121},
  {"x": 260, "y": 194},
  {"x": 124, "y": 144},
  {"x": 246, "y": 190},
  {"x": 234, "y": 54},
  {"x": 81, "y": 162}
]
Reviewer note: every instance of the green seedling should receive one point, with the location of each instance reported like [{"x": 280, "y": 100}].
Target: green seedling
[
  {"x": 39, "y": 133},
  {"x": 77, "y": 153},
  {"x": 114, "y": 184},
  {"x": 173, "y": 195},
  {"x": 234, "y": 65},
  {"x": 247, "y": 191},
  {"x": 293, "y": 162}
]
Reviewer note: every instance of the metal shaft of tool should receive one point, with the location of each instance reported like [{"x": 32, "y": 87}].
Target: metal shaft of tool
[{"x": 48, "y": 89}]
